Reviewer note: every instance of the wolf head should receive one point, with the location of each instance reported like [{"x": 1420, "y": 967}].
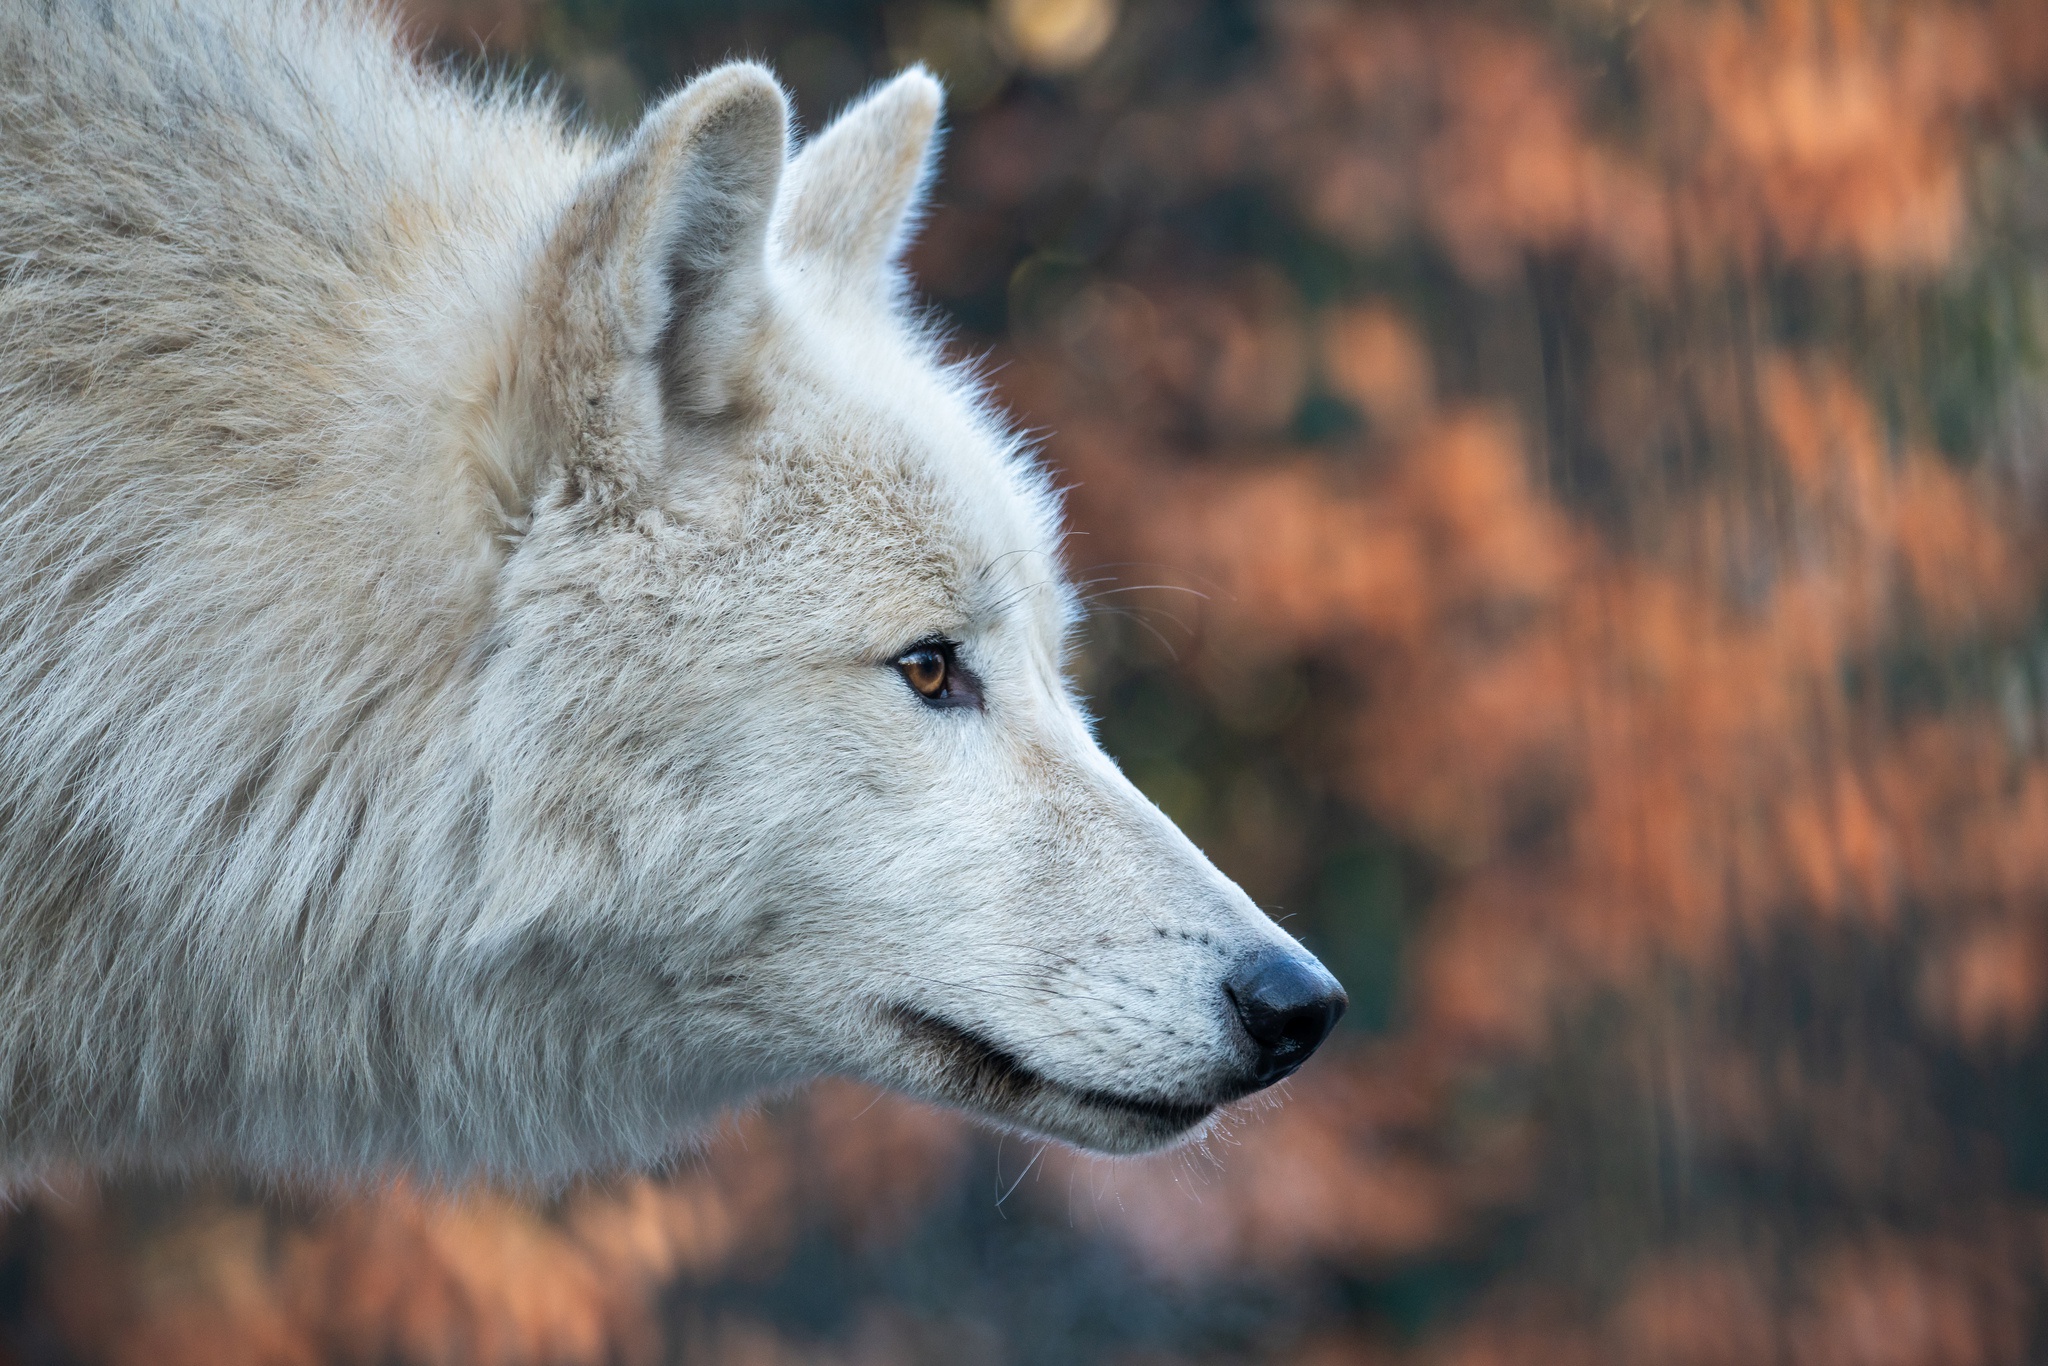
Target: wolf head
[{"x": 773, "y": 697}]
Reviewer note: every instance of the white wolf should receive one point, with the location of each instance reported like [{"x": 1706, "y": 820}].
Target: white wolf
[{"x": 512, "y": 642}]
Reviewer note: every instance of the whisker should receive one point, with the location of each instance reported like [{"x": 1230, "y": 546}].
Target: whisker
[{"x": 1000, "y": 1199}]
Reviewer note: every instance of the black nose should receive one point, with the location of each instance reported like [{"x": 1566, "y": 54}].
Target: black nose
[{"x": 1289, "y": 1004}]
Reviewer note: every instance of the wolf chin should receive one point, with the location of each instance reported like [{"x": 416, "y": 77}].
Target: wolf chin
[{"x": 515, "y": 640}]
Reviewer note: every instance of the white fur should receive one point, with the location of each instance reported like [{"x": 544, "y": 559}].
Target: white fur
[{"x": 451, "y": 572}]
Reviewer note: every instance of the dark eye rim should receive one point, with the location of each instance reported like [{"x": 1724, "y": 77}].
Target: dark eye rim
[{"x": 962, "y": 687}]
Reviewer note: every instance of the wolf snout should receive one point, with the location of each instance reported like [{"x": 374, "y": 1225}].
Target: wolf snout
[{"x": 1288, "y": 1003}]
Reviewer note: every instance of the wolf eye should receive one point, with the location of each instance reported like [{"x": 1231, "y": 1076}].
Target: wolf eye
[
  {"x": 925, "y": 669},
  {"x": 934, "y": 672}
]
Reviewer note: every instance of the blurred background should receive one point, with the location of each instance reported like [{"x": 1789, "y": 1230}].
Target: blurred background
[{"x": 1564, "y": 491}]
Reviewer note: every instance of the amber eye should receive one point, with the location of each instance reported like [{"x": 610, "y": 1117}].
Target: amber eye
[
  {"x": 926, "y": 669},
  {"x": 935, "y": 672}
]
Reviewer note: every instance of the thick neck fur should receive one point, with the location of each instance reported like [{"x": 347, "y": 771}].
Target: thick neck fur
[{"x": 309, "y": 333}]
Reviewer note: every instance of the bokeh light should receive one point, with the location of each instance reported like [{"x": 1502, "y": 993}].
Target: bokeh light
[{"x": 1057, "y": 35}]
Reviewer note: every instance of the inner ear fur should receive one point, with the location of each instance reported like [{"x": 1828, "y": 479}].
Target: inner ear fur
[
  {"x": 853, "y": 192},
  {"x": 652, "y": 283}
]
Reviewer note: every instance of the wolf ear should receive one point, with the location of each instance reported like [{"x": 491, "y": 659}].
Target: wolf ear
[
  {"x": 853, "y": 191},
  {"x": 672, "y": 231}
]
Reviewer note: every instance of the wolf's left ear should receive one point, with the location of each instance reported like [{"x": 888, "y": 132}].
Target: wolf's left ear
[
  {"x": 672, "y": 231},
  {"x": 853, "y": 191}
]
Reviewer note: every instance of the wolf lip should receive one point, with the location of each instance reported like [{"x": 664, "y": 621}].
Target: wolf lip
[{"x": 976, "y": 1072}]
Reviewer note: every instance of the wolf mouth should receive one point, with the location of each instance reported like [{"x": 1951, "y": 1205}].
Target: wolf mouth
[{"x": 973, "y": 1071}]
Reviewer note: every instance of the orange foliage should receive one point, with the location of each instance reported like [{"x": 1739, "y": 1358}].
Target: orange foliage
[
  {"x": 478, "y": 1276},
  {"x": 1813, "y": 129},
  {"x": 1712, "y": 770}
]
